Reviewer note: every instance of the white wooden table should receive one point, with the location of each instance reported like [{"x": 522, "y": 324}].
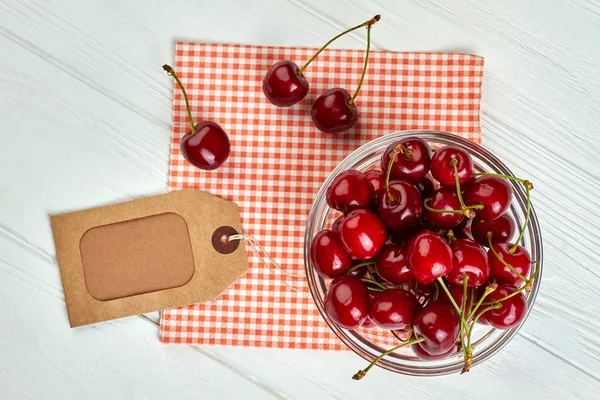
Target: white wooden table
[{"x": 85, "y": 113}]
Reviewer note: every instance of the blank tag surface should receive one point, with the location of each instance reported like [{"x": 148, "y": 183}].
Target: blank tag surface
[{"x": 146, "y": 255}]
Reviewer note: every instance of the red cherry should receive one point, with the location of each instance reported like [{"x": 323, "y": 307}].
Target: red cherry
[
  {"x": 377, "y": 180},
  {"x": 391, "y": 264},
  {"x": 503, "y": 228},
  {"x": 206, "y": 145},
  {"x": 347, "y": 301},
  {"x": 439, "y": 323},
  {"x": 393, "y": 309},
  {"x": 520, "y": 260},
  {"x": 513, "y": 309},
  {"x": 336, "y": 224},
  {"x": 493, "y": 193},
  {"x": 284, "y": 85},
  {"x": 406, "y": 208},
  {"x": 424, "y": 355},
  {"x": 412, "y": 164},
  {"x": 444, "y": 198},
  {"x": 207, "y": 148},
  {"x": 469, "y": 259},
  {"x": 333, "y": 112},
  {"x": 349, "y": 190},
  {"x": 429, "y": 257},
  {"x": 442, "y": 169},
  {"x": 425, "y": 186},
  {"x": 457, "y": 294},
  {"x": 363, "y": 234},
  {"x": 328, "y": 256}
]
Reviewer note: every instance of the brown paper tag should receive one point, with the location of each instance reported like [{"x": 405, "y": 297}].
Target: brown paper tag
[{"x": 146, "y": 255}]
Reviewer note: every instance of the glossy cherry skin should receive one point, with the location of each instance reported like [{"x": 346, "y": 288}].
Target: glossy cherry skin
[
  {"x": 283, "y": 85},
  {"x": 442, "y": 169},
  {"x": 361, "y": 272},
  {"x": 208, "y": 148},
  {"x": 468, "y": 259},
  {"x": 457, "y": 294},
  {"x": 349, "y": 191},
  {"x": 347, "y": 301},
  {"x": 425, "y": 186},
  {"x": 328, "y": 255},
  {"x": 429, "y": 257},
  {"x": 444, "y": 198},
  {"x": 520, "y": 261},
  {"x": 363, "y": 234},
  {"x": 333, "y": 113},
  {"x": 409, "y": 168},
  {"x": 393, "y": 309},
  {"x": 439, "y": 323},
  {"x": 391, "y": 264},
  {"x": 513, "y": 309},
  {"x": 336, "y": 224},
  {"x": 406, "y": 209},
  {"x": 503, "y": 228},
  {"x": 495, "y": 194},
  {"x": 424, "y": 355},
  {"x": 377, "y": 180}
]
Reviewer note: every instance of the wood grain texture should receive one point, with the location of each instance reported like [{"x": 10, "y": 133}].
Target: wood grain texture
[{"x": 85, "y": 120}]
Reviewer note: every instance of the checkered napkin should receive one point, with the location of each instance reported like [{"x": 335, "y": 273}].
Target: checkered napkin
[{"x": 279, "y": 160}]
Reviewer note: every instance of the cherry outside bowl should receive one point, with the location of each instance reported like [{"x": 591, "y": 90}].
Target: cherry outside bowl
[{"x": 486, "y": 340}]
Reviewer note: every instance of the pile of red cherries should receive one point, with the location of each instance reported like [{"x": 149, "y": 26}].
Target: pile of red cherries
[{"x": 408, "y": 254}]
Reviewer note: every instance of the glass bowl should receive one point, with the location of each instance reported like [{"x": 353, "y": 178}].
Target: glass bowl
[{"x": 486, "y": 340}]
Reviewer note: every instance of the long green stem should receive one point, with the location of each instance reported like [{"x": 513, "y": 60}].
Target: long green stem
[
  {"x": 399, "y": 149},
  {"x": 494, "y": 307},
  {"x": 172, "y": 73},
  {"x": 360, "y": 374},
  {"x": 514, "y": 248},
  {"x": 489, "y": 289},
  {"x": 367, "y": 23},
  {"x": 525, "y": 182},
  {"x": 454, "y": 163},
  {"x": 364, "y": 72},
  {"x": 372, "y": 282},
  {"x": 462, "y": 320},
  {"x": 507, "y": 265},
  {"x": 428, "y": 208},
  {"x": 357, "y": 266},
  {"x": 516, "y": 292}
]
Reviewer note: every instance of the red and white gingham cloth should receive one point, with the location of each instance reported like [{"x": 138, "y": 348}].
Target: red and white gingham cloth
[{"x": 279, "y": 160}]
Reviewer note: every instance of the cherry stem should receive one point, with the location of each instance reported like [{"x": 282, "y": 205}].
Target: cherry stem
[
  {"x": 367, "y": 23},
  {"x": 525, "y": 182},
  {"x": 471, "y": 301},
  {"x": 364, "y": 72},
  {"x": 507, "y": 265},
  {"x": 357, "y": 266},
  {"x": 516, "y": 292},
  {"x": 374, "y": 289},
  {"x": 360, "y": 374},
  {"x": 399, "y": 149},
  {"x": 428, "y": 200},
  {"x": 494, "y": 307},
  {"x": 527, "y": 213},
  {"x": 437, "y": 290},
  {"x": 410, "y": 335},
  {"x": 451, "y": 236},
  {"x": 466, "y": 211},
  {"x": 462, "y": 320},
  {"x": 172, "y": 73},
  {"x": 467, "y": 349},
  {"x": 372, "y": 282},
  {"x": 489, "y": 289}
]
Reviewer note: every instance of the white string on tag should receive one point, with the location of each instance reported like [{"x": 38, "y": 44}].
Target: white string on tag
[{"x": 265, "y": 257}]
